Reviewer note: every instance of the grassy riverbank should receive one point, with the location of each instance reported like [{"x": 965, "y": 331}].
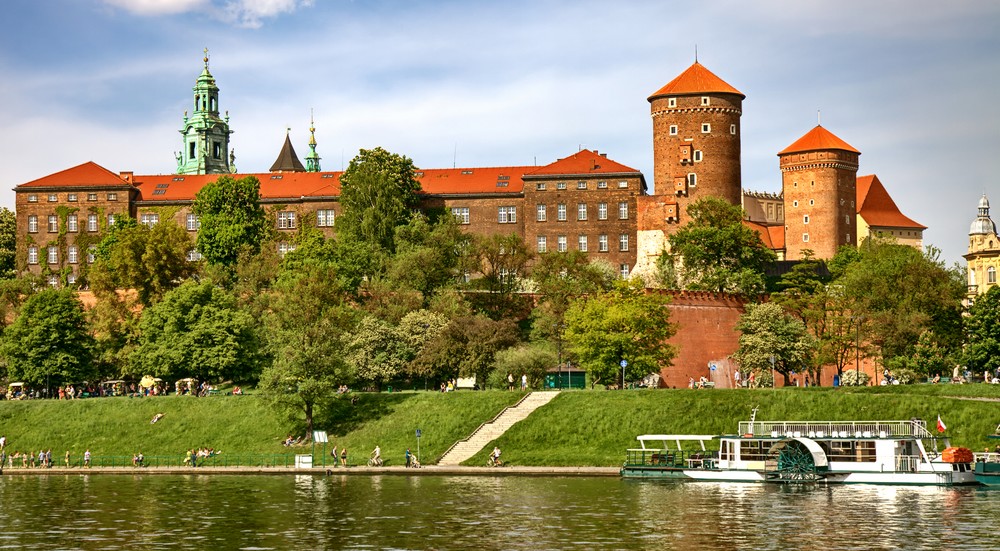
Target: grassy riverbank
[{"x": 577, "y": 428}]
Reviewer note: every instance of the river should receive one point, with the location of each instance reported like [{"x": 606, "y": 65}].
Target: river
[{"x": 481, "y": 512}]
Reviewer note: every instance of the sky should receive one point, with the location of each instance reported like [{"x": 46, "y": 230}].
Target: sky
[{"x": 912, "y": 84}]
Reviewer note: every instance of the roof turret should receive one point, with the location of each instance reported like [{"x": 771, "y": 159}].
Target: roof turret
[
  {"x": 695, "y": 80},
  {"x": 983, "y": 224},
  {"x": 818, "y": 139}
]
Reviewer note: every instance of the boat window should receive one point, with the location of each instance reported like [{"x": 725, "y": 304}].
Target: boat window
[
  {"x": 852, "y": 451},
  {"x": 754, "y": 450}
]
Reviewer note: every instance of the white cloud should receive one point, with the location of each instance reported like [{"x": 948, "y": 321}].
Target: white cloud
[{"x": 244, "y": 13}]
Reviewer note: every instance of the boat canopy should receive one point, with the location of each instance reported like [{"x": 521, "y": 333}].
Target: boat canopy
[{"x": 664, "y": 440}]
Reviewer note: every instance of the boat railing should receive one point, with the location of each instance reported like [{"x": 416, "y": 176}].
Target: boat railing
[
  {"x": 907, "y": 463},
  {"x": 638, "y": 457},
  {"x": 842, "y": 429},
  {"x": 988, "y": 457}
]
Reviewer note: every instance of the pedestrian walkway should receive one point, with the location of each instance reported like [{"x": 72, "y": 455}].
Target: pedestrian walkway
[{"x": 491, "y": 430}]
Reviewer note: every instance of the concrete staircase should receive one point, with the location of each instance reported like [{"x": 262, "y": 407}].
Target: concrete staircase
[{"x": 491, "y": 430}]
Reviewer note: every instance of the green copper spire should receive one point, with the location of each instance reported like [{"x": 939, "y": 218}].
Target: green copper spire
[
  {"x": 205, "y": 135},
  {"x": 312, "y": 158}
]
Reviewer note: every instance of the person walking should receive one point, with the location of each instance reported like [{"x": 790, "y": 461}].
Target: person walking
[
  {"x": 86, "y": 458},
  {"x": 524, "y": 382},
  {"x": 343, "y": 457},
  {"x": 736, "y": 378}
]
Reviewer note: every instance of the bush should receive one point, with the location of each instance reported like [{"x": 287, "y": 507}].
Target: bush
[{"x": 852, "y": 377}]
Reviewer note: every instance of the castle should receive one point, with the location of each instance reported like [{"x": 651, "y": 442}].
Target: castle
[{"x": 584, "y": 201}]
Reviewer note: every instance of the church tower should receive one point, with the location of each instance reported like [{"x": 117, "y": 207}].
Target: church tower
[
  {"x": 312, "y": 158},
  {"x": 819, "y": 174},
  {"x": 696, "y": 138},
  {"x": 983, "y": 257},
  {"x": 204, "y": 135}
]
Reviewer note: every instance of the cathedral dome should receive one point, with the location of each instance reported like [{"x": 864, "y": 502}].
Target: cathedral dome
[{"x": 983, "y": 224}]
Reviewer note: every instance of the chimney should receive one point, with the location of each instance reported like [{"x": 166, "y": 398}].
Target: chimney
[
  {"x": 127, "y": 176},
  {"x": 605, "y": 155}
]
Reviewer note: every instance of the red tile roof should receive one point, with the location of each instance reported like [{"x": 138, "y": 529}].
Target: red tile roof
[
  {"x": 772, "y": 236},
  {"x": 584, "y": 162},
  {"x": 877, "y": 208},
  {"x": 286, "y": 185},
  {"x": 695, "y": 80},
  {"x": 818, "y": 138},
  {"x": 448, "y": 181},
  {"x": 88, "y": 174}
]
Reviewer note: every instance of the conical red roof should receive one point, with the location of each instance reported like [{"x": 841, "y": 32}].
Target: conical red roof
[
  {"x": 818, "y": 138},
  {"x": 696, "y": 80}
]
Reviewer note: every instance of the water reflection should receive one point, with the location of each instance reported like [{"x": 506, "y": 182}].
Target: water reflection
[{"x": 398, "y": 512}]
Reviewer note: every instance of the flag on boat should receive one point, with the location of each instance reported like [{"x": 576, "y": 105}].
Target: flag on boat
[{"x": 940, "y": 426}]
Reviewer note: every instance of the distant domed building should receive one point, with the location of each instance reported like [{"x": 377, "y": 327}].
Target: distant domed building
[{"x": 983, "y": 258}]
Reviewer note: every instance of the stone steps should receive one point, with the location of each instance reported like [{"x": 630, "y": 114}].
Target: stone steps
[{"x": 488, "y": 432}]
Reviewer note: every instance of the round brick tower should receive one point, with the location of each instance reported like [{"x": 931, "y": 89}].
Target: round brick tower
[
  {"x": 819, "y": 174},
  {"x": 696, "y": 138}
]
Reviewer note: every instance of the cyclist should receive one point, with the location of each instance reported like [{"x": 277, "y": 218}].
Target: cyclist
[
  {"x": 377, "y": 456},
  {"x": 495, "y": 457}
]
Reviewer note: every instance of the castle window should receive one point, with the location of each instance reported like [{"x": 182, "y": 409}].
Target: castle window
[
  {"x": 32, "y": 255},
  {"x": 193, "y": 255},
  {"x": 697, "y": 155},
  {"x": 73, "y": 253},
  {"x": 543, "y": 244},
  {"x": 623, "y": 184},
  {"x": 673, "y": 129},
  {"x": 32, "y": 198},
  {"x": 216, "y": 150},
  {"x": 285, "y": 248},
  {"x": 623, "y": 270},
  {"x": 561, "y": 185},
  {"x": 91, "y": 196},
  {"x": 581, "y": 243},
  {"x": 805, "y": 219},
  {"x": 53, "y": 255},
  {"x": 112, "y": 197},
  {"x": 706, "y": 128},
  {"x": 53, "y": 197},
  {"x": 325, "y": 218},
  {"x": 705, "y": 100},
  {"x": 732, "y": 129},
  {"x": 561, "y": 243},
  {"x": 91, "y": 222},
  {"x": 540, "y": 213},
  {"x": 623, "y": 210},
  {"x": 602, "y": 211},
  {"x": 191, "y": 147},
  {"x": 561, "y": 212},
  {"x": 847, "y": 238},
  {"x": 805, "y": 238},
  {"x": 671, "y": 102},
  {"x": 540, "y": 186},
  {"x": 795, "y": 203},
  {"x": 602, "y": 185},
  {"x": 111, "y": 220},
  {"x": 53, "y": 223},
  {"x": 507, "y": 215},
  {"x": 623, "y": 242},
  {"x": 149, "y": 219},
  {"x": 847, "y": 220},
  {"x": 72, "y": 224},
  {"x": 286, "y": 220},
  {"x": 602, "y": 243},
  {"x": 91, "y": 253},
  {"x": 192, "y": 222},
  {"x": 581, "y": 211},
  {"x": 991, "y": 275},
  {"x": 71, "y": 279},
  {"x": 692, "y": 179},
  {"x": 581, "y": 185},
  {"x": 32, "y": 224},
  {"x": 71, "y": 197}
]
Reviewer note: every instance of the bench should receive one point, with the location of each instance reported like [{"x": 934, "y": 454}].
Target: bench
[{"x": 213, "y": 392}]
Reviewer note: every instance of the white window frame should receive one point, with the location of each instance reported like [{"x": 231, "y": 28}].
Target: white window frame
[
  {"x": 602, "y": 243},
  {"x": 706, "y": 128},
  {"x": 91, "y": 196},
  {"x": 623, "y": 210},
  {"x": 698, "y": 155},
  {"x": 111, "y": 220},
  {"x": 581, "y": 243},
  {"x": 32, "y": 254},
  {"x": 541, "y": 213},
  {"x": 581, "y": 185},
  {"x": 112, "y": 196},
  {"x": 805, "y": 238},
  {"x": 52, "y": 254},
  {"x": 623, "y": 242},
  {"x": 561, "y": 243},
  {"x": 581, "y": 211},
  {"x": 561, "y": 212},
  {"x": 602, "y": 184},
  {"x": 92, "y": 223},
  {"x": 507, "y": 215},
  {"x": 192, "y": 223},
  {"x": 602, "y": 211},
  {"x": 325, "y": 217},
  {"x": 91, "y": 254},
  {"x": 671, "y": 102},
  {"x": 32, "y": 223},
  {"x": 542, "y": 244},
  {"x": 71, "y": 197},
  {"x": 692, "y": 179},
  {"x": 286, "y": 220},
  {"x": 72, "y": 223},
  {"x": 561, "y": 185},
  {"x": 149, "y": 219},
  {"x": 32, "y": 198},
  {"x": 53, "y": 198},
  {"x": 732, "y": 129},
  {"x": 805, "y": 218},
  {"x": 623, "y": 184},
  {"x": 623, "y": 270},
  {"x": 540, "y": 186},
  {"x": 72, "y": 254},
  {"x": 53, "y": 225}
]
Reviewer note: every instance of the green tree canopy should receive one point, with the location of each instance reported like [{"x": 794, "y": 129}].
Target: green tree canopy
[
  {"x": 429, "y": 256},
  {"x": 559, "y": 278},
  {"x": 8, "y": 243},
  {"x": 48, "y": 343},
  {"x": 308, "y": 324},
  {"x": 232, "y": 219},
  {"x": 714, "y": 251},
  {"x": 150, "y": 260},
  {"x": 766, "y": 332},
  {"x": 624, "y": 323},
  {"x": 533, "y": 360},
  {"x": 198, "y": 331},
  {"x": 466, "y": 347},
  {"x": 378, "y": 192},
  {"x": 982, "y": 332}
]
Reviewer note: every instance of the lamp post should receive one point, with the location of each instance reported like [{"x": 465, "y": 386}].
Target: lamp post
[
  {"x": 857, "y": 351},
  {"x": 772, "y": 371},
  {"x": 558, "y": 327}
]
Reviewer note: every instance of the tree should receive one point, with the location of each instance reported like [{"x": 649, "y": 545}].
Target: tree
[
  {"x": 982, "y": 332},
  {"x": 308, "y": 322},
  {"x": 503, "y": 261},
  {"x": 231, "y": 217},
  {"x": 377, "y": 351},
  {"x": 48, "y": 343},
  {"x": 467, "y": 347},
  {"x": 714, "y": 251},
  {"x": 8, "y": 243},
  {"x": 623, "y": 323},
  {"x": 533, "y": 360},
  {"x": 562, "y": 276},
  {"x": 417, "y": 329},
  {"x": 198, "y": 331},
  {"x": 378, "y": 192},
  {"x": 150, "y": 260},
  {"x": 768, "y": 332},
  {"x": 428, "y": 256}
]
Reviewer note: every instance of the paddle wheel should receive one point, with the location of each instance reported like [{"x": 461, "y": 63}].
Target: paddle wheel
[{"x": 794, "y": 462}]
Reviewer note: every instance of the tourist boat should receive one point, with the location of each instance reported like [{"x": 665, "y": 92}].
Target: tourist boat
[
  {"x": 833, "y": 452},
  {"x": 988, "y": 464}
]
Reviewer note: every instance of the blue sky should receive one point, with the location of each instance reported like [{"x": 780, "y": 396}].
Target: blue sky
[{"x": 912, "y": 84}]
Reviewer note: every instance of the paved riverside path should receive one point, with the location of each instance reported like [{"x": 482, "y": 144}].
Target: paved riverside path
[
  {"x": 431, "y": 470},
  {"x": 492, "y": 430}
]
